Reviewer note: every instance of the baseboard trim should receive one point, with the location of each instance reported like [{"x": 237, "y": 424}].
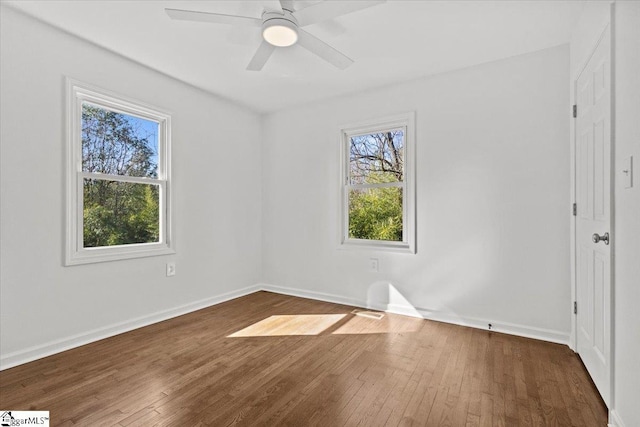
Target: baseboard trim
[
  {"x": 302, "y": 293},
  {"x": 496, "y": 326},
  {"x": 38, "y": 352},
  {"x": 615, "y": 420}
]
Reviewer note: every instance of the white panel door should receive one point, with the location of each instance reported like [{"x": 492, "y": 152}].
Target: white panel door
[{"x": 593, "y": 221}]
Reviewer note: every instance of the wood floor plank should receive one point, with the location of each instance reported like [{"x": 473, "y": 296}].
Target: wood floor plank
[{"x": 274, "y": 360}]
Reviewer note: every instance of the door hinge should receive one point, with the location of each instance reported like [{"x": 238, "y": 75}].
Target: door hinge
[
  {"x": 575, "y": 307},
  {"x": 575, "y": 209},
  {"x": 575, "y": 111}
]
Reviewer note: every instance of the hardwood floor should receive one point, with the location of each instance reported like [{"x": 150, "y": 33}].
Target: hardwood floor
[{"x": 274, "y": 360}]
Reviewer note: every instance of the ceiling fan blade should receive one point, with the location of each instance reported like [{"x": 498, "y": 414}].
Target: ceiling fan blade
[
  {"x": 323, "y": 50},
  {"x": 272, "y": 5},
  {"x": 216, "y": 18},
  {"x": 261, "y": 56},
  {"x": 287, "y": 4},
  {"x": 331, "y": 9}
]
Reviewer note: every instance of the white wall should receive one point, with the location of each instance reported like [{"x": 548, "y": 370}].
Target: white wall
[
  {"x": 216, "y": 168},
  {"x": 627, "y": 214},
  {"x": 492, "y": 199}
]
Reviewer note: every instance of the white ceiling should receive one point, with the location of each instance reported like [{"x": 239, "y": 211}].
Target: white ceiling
[{"x": 392, "y": 42}]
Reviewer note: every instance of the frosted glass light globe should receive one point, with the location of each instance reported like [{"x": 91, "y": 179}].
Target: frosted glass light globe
[{"x": 280, "y": 32}]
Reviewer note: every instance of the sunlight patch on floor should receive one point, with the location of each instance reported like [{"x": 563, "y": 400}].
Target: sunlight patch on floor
[{"x": 283, "y": 325}]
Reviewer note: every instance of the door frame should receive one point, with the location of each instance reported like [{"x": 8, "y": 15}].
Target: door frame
[{"x": 610, "y": 339}]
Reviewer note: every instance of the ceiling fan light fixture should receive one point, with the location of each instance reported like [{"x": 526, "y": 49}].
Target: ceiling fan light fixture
[{"x": 280, "y": 32}]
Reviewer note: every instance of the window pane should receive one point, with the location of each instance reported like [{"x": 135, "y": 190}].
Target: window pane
[
  {"x": 377, "y": 157},
  {"x": 118, "y": 144},
  {"x": 376, "y": 214},
  {"x": 120, "y": 213}
]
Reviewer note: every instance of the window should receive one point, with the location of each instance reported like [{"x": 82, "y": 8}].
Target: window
[
  {"x": 378, "y": 196},
  {"x": 117, "y": 178}
]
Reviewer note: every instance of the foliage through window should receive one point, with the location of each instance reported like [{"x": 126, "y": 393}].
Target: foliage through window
[
  {"x": 375, "y": 190},
  {"x": 117, "y": 212},
  {"x": 118, "y": 178}
]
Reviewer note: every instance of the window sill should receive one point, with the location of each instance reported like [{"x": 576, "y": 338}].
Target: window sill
[
  {"x": 377, "y": 245},
  {"x": 90, "y": 256}
]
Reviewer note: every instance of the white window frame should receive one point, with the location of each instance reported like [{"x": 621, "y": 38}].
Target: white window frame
[
  {"x": 406, "y": 122},
  {"x": 75, "y": 252}
]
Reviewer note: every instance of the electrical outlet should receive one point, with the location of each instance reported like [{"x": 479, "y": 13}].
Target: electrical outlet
[
  {"x": 171, "y": 269},
  {"x": 374, "y": 265}
]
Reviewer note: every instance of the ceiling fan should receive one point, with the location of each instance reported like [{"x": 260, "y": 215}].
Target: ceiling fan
[{"x": 281, "y": 27}]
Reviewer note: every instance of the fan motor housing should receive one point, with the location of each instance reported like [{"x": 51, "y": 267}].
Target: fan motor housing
[{"x": 279, "y": 29}]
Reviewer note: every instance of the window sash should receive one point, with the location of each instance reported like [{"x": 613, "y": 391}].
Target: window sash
[
  {"x": 107, "y": 102},
  {"x": 350, "y": 186},
  {"x": 162, "y": 207},
  {"x": 361, "y": 132},
  {"x": 387, "y": 243},
  {"x": 352, "y": 135}
]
